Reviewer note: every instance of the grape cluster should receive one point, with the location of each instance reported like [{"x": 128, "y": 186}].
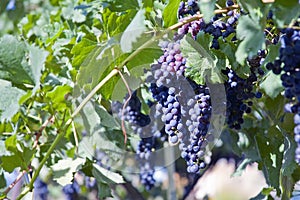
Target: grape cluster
[
  {"x": 188, "y": 8},
  {"x": 288, "y": 66},
  {"x": 170, "y": 110},
  {"x": 239, "y": 91},
  {"x": 71, "y": 191},
  {"x": 171, "y": 64},
  {"x": 198, "y": 125},
  {"x": 40, "y": 189}
]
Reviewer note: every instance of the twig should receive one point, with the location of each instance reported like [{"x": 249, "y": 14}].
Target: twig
[
  {"x": 39, "y": 132},
  {"x": 19, "y": 177},
  {"x": 75, "y": 135},
  {"x": 124, "y": 106}
]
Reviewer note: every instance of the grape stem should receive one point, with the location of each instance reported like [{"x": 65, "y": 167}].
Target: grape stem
[
  {"x": 124, "y": 106},
  {"x": 105, "y": 80}
]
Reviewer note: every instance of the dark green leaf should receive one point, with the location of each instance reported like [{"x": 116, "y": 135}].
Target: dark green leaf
[
  {"x": 10, "y": 163},
  {"x": 2, "y": 180},
  {"x": 289, "y": 164},
  {"x": 170, "y": 13},
  {"x": 271, "y": 156},
  {"x": 106, "y": 119}
]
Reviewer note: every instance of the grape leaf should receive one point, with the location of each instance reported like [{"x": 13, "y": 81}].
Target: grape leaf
[
  {"x": 105, "y": 190},
  {"x": 37, "y": 58},
  {"x": 9, "y": 99},
  {"x": 272, "y": 85},
  {"x": 58, "y": 97},
  {"x": 133, "y": 31},
  {"x": 170, "y": 13},
  {"x": 271, "y": 157},
  {"x": 121, "y": 6},
  {"x": 251, "y": 32},
  {"x": 284, "y": 14},
  {"x": 200, "y": 63},
  {"x": 2, "y": 180},
  {"x": 207, "y": 7},
  {"x": 63, "y": 170},
  {"x": 107, "y": 176},
  {"x": 16, "y": 68},
  {"x": 10, "y": 163},
  {"x": 81, "y": 50},
  {"x": 289, "y": 164}
]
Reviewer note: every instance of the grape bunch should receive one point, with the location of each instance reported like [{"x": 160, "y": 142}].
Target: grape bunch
[
  {"x": 40, "y": 189},
  {"x": 198, "y": 123},
  {"x": 288, "y": 67},
  {"x": 71, "y": 191},
  {"x": 170, "y": 110},
  {"x": 239, "y": 91},
  {"x": 188, "y": 8}
]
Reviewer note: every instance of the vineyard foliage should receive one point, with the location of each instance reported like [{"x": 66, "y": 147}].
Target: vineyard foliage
[{"x": 64, "y": 64}]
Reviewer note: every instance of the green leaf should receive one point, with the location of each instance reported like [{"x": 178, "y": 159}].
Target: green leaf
[
  {"x": 120, "y": 90},
  {"x": 98, "y": 64},
  {"x": 10, "y": 163},
  {"x": 255, "y": 7},
  {"x": 106, "y": 119},
  {"x": 106, "y": 176},
  {"x": 11, "y": 143},
  {"x": 121, "y": 6},
  {"x": 289, "y": 165},
  {"x": 283, "y": 15},
  {"x": 170, "y": 13},
  {"x": 2, "y": 180},
  {"x": 58, "y": 97},
  {"x": 9, "y": 100},
  {"x": 207, "y": 7},
  {"x": 133, "y": 31},
  {"x": 251, "y": 33},
  {"x": 37, "y": 58},
  {"x": 271, "y": 157},
  {"x": 64, "y": 170},
  {"x": 104, "y": 189},
  {"x": 272, "y": 85},
  {"x": 200, "y": 63},
  {"x": 81, "y": 50},
  {"x": 16, "y": 68}
]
